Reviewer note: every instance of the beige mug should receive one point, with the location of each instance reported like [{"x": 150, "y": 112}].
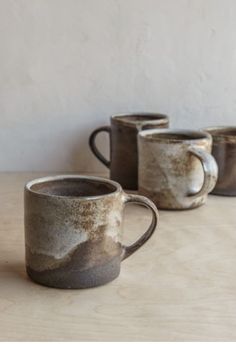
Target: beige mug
[{"x": 176, "y": 168}]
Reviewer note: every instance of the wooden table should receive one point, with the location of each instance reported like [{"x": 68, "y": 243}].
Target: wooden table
[{"x": 180, "y": 286}]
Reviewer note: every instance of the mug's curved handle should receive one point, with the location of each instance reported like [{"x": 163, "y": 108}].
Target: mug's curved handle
[
  {"x": 94, "y": 148},
  {"x": 128, "y": 250},
  {"x": 210, "y": 169}
]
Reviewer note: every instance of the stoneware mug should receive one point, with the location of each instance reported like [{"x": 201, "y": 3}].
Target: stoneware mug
[
  {"x": 73, "y": 230},
  {"x": 224, "y": 151},
  {"x": 123, "y": 163},
  {"x": 176, "y": 169}
]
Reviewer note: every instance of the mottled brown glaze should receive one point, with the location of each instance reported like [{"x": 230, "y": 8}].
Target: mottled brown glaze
[
  {"x": 123, "y": 131},
  {"x": 224, "y": 151},
  {"x": 73, "y": 230},
  {"x": 176, "y": 169}
]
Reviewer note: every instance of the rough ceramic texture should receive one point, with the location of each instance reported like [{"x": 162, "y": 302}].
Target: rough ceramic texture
[
  {"x": 74, "y": 241},
  {"x": 171, "y": 165},
  {"x": 224, "y": 151},
  {"x": 123, "y": 162}
]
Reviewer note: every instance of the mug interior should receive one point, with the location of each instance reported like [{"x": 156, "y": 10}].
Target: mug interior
[
  {"x": 173, "y": 136},
  {"x": 222, "y": 131},
  {"x": 72, "y": 187},
  {"x": 138, "y": 118}
]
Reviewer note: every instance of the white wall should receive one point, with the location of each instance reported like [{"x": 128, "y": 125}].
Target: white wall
[{"x": 67, "y": 65}]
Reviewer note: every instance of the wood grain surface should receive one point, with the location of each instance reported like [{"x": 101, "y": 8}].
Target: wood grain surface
[{"x": 180, "y": 286}]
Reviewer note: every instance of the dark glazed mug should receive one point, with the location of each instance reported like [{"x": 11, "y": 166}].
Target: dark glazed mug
[
  {"x": 73, "y": 230},
  {"x": 176, "y": 168},
  {"x": 224, "y": 151},
  {"x": 123, "y": 163}
]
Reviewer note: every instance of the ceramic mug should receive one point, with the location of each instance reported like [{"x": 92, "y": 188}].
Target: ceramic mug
[
  {"x": 73, "y": 230},
  {"x": 123, "y": 163},
  {"x": 176, "y": 169},
  {"x": 224, "y": 151}
]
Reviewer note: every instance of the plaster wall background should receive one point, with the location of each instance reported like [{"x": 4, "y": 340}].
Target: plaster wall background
[{"x": 67, "y": 65}]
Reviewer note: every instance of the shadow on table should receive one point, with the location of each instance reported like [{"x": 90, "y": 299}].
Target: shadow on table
[{"x": 13, "y": 271}]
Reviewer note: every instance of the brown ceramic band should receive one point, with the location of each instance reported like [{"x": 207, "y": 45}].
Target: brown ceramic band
[
  {"x": 128, "y": 250},
  {"x": 210, "y": 170},
  {"x": 94, "y": 148}
]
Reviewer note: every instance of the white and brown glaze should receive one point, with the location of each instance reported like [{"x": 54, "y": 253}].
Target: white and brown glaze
[
  {"x": 123, "y": 132},
  {"x": 224, "y": 151},
  {"x": 176, "y": 169},
  {"x": 73, "y": 230}
]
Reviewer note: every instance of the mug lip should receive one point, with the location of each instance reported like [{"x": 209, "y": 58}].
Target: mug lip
[
  {"x": 61, "y": 177},
  {"x": 220, "y": 133},
  {"x": 156, "y": 118},
  {"x": 202, "y": 135}
]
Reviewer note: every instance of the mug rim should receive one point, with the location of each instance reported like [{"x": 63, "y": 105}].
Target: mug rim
[
  {"x": 202, "y": 135},
  {"x": 154, "y": 118},
  {"x": 61, "y": 177},
  {"x": 221, "y": 132}
]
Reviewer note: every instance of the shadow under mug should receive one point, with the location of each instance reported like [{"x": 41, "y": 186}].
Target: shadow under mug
[
  {"x": 73, "y": 230},
  {"x": 224, "y": 151},
  {"x": 123, "y": 163},
  {"x": 176, "y": 169}
]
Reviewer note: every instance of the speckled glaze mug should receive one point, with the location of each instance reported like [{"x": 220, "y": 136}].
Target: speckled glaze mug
[
  {"x": 224, "y": 151},
  {"x": 176, "y": 169},
  {"x": 123, "y": 163},
  {"x": 73, "y": 230}
]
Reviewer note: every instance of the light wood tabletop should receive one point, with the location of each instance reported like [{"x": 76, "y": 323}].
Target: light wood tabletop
[{"x": 181, "y": 285}]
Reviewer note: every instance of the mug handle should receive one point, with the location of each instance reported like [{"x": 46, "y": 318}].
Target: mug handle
[
  {"x": 210, "y": 170},
  {"x": 94, "y": 148},
  {"x": 128, "y": 250}
]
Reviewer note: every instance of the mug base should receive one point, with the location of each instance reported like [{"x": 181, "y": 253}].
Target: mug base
[
  {"x": 167, "y": 201},
  {"x": 173, "y": 208},
  {"x": 227, "y": 193},
  {"x": 64, "y": 278}
]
